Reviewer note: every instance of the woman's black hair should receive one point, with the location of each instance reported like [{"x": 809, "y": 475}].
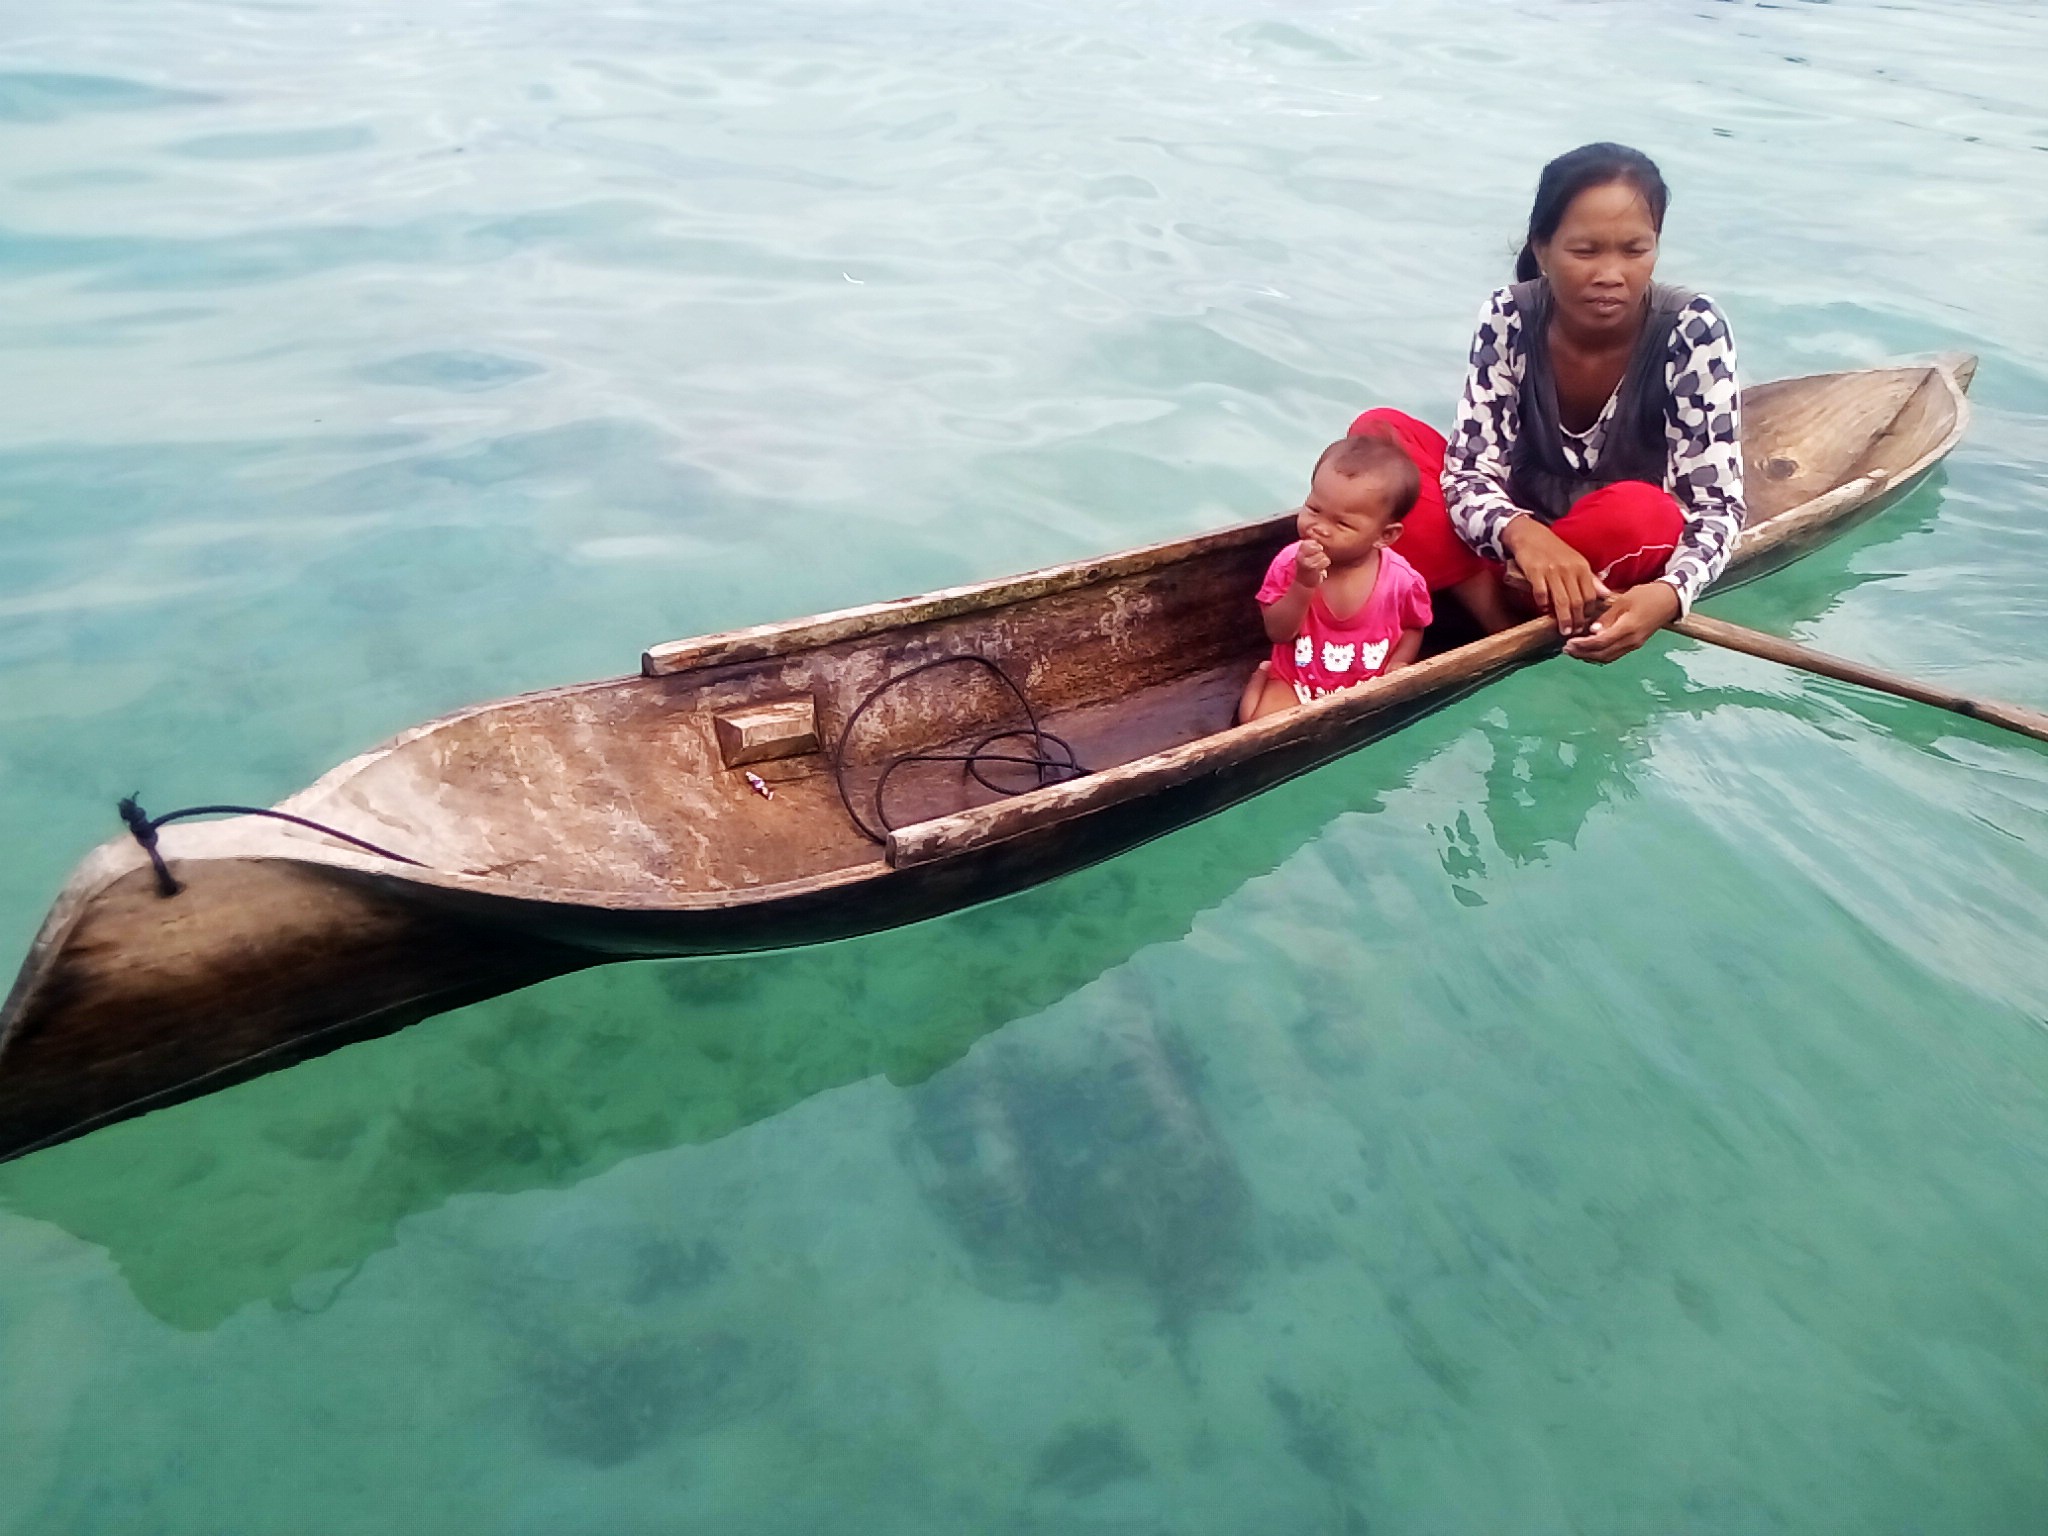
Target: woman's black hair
[{"x": 1590, "y": 165}]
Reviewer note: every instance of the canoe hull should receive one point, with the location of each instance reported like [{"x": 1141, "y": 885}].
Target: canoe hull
[
  {"x": 282, "y": 946},
  {"x": 343, "y": 955},
  {"x": 254, "y": 965},
  {"x": 989, "y": 870}
]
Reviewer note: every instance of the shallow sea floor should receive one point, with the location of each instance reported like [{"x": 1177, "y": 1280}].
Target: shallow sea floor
[{"x": 1617, "y": 1104}]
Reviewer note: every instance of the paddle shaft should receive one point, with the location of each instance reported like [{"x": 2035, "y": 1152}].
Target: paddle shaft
[{"x": 2028, "y": 722}]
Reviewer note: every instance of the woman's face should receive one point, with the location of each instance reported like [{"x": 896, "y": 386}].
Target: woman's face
[{"x": 1600, "y": 260}]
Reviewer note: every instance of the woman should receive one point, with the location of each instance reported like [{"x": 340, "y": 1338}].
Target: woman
[{"x": 1595, "y": 469}]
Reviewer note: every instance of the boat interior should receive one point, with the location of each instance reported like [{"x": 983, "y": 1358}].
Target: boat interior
[{"x": 717, "y": 773}]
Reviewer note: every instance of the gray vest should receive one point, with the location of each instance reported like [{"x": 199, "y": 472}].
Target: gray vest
[{"x": 1540, "y": 478}]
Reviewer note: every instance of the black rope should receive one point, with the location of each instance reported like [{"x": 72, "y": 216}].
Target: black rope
[
  {"x": 1050, "y": 757},
  {"x": 145, "y": 834},
  {"x": 144, "y": 826}
]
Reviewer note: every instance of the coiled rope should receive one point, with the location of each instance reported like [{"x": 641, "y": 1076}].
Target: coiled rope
[{"x": 1051, "y": 758}]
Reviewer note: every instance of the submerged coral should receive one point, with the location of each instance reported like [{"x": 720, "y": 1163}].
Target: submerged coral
[
  {"x": 608, "y": 1405},
  {"x": 1086, "y": 1458},
  {"x": 663, "y": 1267},
  {"x": 605, "y": 1403},
  {"x": 1103, "y": 1167},
  {"x": 1317, "y": 1433}
]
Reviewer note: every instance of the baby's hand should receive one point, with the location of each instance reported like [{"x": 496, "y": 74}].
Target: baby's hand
[{"x": 1311, "y": 564}]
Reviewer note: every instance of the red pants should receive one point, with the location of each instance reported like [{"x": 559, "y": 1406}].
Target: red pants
[{"x": 1626, "y": 531}]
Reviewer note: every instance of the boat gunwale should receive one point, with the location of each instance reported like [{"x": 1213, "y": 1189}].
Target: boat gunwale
[
  {"x": 962, "y": 832},
  {"x": 785, "y": 637}
]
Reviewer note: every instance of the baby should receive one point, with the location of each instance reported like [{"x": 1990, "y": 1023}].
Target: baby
[{"x": 1340, "y": 606}]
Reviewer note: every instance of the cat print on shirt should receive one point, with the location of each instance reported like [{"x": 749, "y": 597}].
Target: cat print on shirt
[{"x": 1370, "y": 655}]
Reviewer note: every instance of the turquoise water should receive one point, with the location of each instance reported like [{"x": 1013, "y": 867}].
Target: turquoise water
[{"x": 1618, "y": 1104}]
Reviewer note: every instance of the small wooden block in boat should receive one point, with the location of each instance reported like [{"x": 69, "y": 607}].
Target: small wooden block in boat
[{"x": 758, "y": 733}]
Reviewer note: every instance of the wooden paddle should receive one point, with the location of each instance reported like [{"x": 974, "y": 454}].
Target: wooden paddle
[{"x": 2028, "y": 722}]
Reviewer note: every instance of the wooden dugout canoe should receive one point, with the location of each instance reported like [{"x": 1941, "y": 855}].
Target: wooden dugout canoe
[{"x": 601, "y": 821}]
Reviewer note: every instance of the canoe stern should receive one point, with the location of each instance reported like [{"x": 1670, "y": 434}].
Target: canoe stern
[{"x": 130, "y": 1000}]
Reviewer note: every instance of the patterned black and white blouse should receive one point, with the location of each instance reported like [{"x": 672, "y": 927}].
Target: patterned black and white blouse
[{"x": 1703, "y": 431}]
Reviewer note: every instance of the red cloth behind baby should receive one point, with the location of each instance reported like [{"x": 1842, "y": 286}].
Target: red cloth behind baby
[{"x": 1626, "y": 531}]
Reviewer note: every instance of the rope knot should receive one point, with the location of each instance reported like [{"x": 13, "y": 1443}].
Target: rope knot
[{"x": 145, "y": 833}]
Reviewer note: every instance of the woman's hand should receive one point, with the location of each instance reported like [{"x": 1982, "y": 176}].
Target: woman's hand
[
  {"x": 1561, "y": 582},
  {"x": 1627, "y": 622}
]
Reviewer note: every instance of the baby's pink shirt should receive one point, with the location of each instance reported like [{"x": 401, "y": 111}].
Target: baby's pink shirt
[{"x": 1329, "y": 653}]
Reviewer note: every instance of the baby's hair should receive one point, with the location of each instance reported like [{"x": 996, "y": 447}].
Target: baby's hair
[{"x": 1374, "y": 455}]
